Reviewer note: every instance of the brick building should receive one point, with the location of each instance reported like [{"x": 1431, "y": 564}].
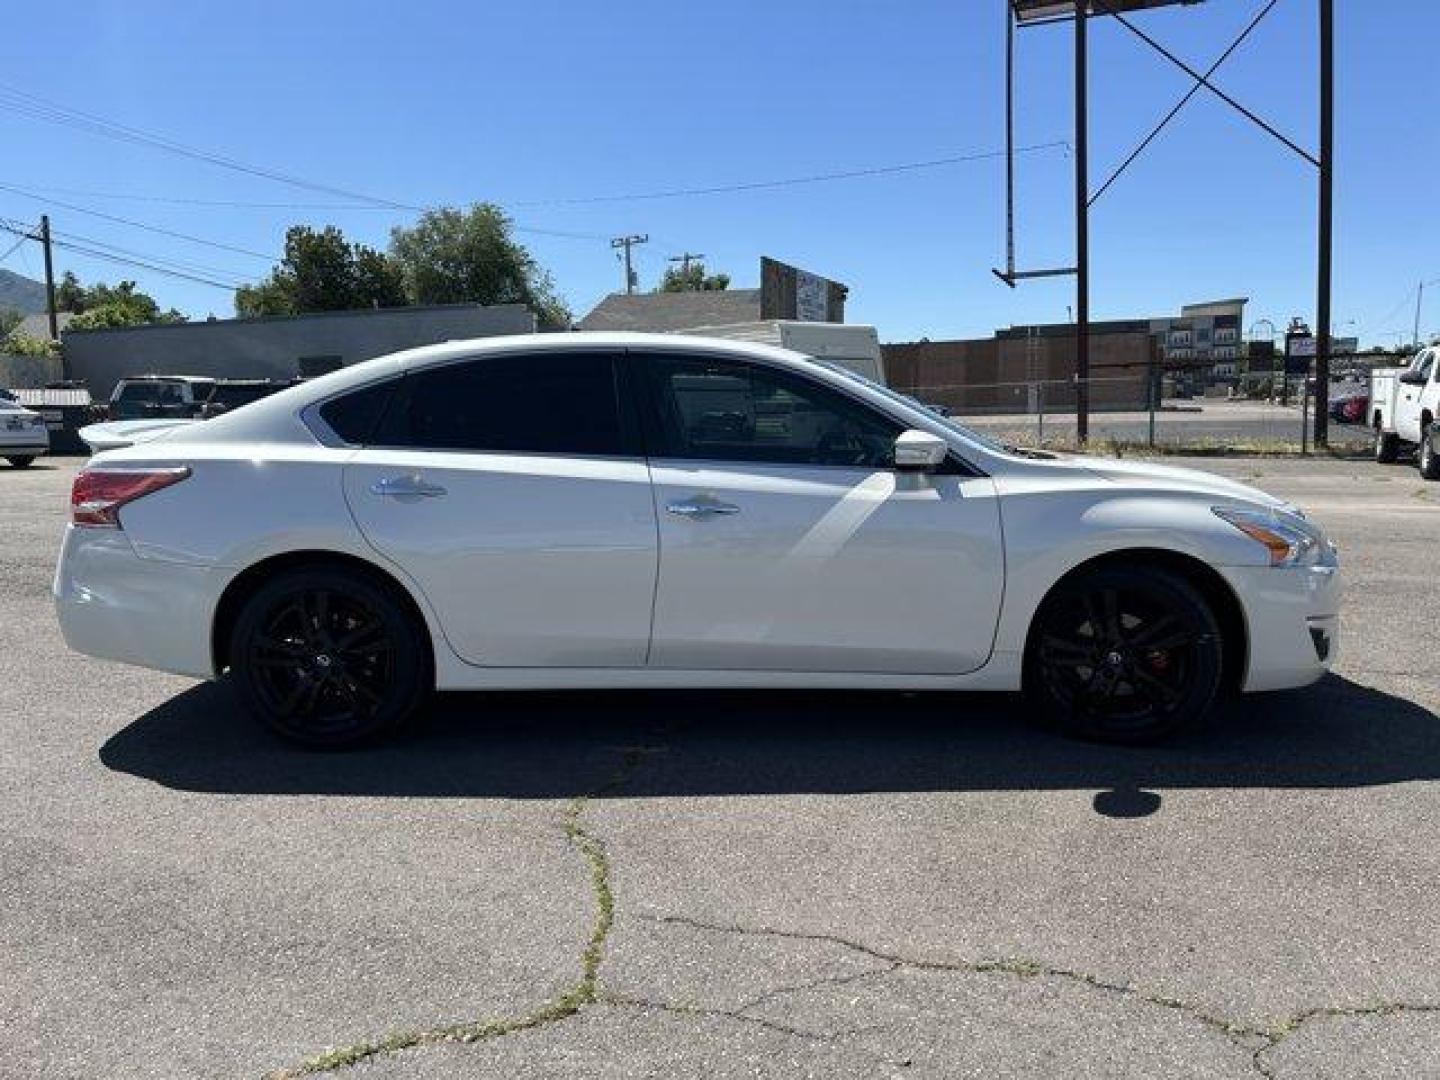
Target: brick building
[{"x": 1026, "y": 368}]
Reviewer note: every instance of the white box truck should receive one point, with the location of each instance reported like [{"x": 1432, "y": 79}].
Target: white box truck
[{"x": 852, "y": 346}]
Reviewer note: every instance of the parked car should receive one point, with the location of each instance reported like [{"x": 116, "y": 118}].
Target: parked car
[
  {"x": 1350, "y": 408},
  {"x": 24, "y": 435},
  {"x": 151, "y": 397},
  {"x": 560, "y": 511},
  {"x": 228, "y": 394},
  {"x": 1404, "y": 403}
]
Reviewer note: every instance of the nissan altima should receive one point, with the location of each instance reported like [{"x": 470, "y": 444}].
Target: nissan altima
[{"x": 618, "y": 510}]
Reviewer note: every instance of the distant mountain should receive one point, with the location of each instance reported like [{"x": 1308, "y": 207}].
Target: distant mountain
[{"x": 20, "y": 293}]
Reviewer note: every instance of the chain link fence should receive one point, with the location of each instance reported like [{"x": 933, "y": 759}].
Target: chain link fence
[{"x": 1258, "y": 415}]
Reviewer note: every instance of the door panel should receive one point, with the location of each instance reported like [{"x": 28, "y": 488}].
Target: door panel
[
  {"x": 807, "y": 568},
  {"x": 528, "y": 560}
]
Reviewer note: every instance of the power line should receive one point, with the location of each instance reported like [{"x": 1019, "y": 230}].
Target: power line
[
  {"x": 23, "y": 192},
  {"x": 111, "y": 256},
  {"x": 792, "y": 181},
  {"x": 39, "y": 108},
  {"x": 11, "y": 249}
]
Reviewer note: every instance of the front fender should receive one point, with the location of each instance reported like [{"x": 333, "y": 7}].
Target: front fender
[{"x": 1048, "y": 534}]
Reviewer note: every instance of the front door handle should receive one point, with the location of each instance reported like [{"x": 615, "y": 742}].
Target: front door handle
[
  {"x": 411, "y": 486},
  {"x": 701, "y": 508}
]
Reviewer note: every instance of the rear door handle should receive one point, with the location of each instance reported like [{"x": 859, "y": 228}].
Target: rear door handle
[
  {"x": 411, "y": 486},
  {"x": 701, "y": 508}
]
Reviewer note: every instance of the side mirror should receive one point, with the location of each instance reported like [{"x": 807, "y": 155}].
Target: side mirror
[
  {"x": 1412, "y": 378},
  {"x": 919, "y": 451}
]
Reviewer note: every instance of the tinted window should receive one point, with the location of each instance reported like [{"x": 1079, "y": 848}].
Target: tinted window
[
  {"x": 153, "y": 392},
  {"x": 234, "y": 396},
  {"x": 354, "y": 416},
  {"x": 535, "y": 403},
  {"x": 732, "y": 411}
]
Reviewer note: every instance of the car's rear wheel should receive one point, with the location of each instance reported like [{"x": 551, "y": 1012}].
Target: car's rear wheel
[
  {"x": 1124, "y": 656},
  {"x": 21, "y": 461},
  {"x": 329, "y": 658},
  {"x": 1387, "y": 447}
]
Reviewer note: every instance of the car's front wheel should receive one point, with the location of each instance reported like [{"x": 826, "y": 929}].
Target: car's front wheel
[
  {"x": 1124, "y": 655},
  {"x": 21, "y": 461},
  {"x": 1429, "y": 458},
  {"x": 329, "y": 658}
]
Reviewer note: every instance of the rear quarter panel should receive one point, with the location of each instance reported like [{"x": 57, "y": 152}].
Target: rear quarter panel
[{"x": 236, "y": 511}]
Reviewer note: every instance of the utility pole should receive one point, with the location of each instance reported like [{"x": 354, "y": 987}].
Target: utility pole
[
  {"x": 1082, "y": 227},
  {"x": 627, "y": 242},
  {"x": 1327, "y": 218},
  {"x": 44, "y": 239},
  {"x": 1419, "y": 299},
  {"x": 684, "y": 261}
]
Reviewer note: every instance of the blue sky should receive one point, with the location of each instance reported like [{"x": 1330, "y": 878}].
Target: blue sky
[{"x": 532, "y": 104}]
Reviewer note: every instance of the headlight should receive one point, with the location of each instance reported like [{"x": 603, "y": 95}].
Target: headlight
[{"x": 1290, "y": 539}]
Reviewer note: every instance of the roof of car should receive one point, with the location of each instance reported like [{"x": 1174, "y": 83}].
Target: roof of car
[
  {"x": 169, "y": 378},
  {"x": 370, "y": 370}
]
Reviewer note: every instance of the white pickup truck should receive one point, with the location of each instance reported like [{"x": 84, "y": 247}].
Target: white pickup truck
[{"x": 1404, "y": 402}]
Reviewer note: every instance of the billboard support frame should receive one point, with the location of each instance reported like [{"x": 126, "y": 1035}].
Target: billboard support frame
[{"x": 1080, "y": 12}]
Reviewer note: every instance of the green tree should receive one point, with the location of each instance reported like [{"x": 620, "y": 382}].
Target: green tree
[
  {"x": 692, "y": 278},
  {"x": 70, "y": 294},
  {"x": 454, "y": 256},
  {"x": 10, "y": 318},
  {"x": 102, "y": 306},
  {"x": 19, "y": 344},
  {"x": 322, "y": 271}
]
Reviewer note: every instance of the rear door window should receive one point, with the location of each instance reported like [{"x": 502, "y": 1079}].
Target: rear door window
[{"x": 552, "y": 402}]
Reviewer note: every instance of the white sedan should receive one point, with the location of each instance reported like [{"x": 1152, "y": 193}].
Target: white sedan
[
  {"x": 620, "y": 510},
  {"x": 23, "y": 434}
]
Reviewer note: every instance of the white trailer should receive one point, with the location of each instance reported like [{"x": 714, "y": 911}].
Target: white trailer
[
  {"x": 852, "y": 346},
  {"x": 1404, "y": 402}
]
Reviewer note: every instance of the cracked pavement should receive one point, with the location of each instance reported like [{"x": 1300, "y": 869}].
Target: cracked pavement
[{"x": 794, "y": 885}]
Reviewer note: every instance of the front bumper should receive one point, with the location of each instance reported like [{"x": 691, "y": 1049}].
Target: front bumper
[
  {"x": 114, "y": 605},
  {"x": 1292, "y": 619}
]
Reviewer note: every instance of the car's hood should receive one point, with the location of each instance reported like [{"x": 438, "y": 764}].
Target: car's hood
[
  {"x": 1144, "y": 474},
  {"x": 115, "y": 434}
]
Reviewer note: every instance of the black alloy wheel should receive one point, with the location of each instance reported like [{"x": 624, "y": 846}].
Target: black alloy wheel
[
  {"x": 329, "y": 658},
  {"x": 1124, "y": 656}
]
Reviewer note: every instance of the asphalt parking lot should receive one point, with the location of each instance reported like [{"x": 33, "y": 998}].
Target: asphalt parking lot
[{"x": 781, "y": 885}]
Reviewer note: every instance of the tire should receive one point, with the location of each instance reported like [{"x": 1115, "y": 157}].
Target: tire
[
  {"x": 1429, "y": 459},
  {"x": 1387, "y": 447},
  {"x": 1123, "y": 656},
  {"x": 21, "y": 461},
  {"x": 328, "y": 658}
]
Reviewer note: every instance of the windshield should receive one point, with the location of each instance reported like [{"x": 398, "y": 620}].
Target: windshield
[{"x": 905, "y": 399}]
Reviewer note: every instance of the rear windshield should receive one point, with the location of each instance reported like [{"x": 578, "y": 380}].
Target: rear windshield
[
  {"x": 152, "y": 392},
  {"x": 238, "y": 395}
]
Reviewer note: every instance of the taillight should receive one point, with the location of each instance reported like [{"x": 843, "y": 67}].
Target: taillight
[{"x": 99, "y": 494}]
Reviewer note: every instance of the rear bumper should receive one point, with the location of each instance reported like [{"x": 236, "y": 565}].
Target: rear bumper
[
  {"x": 1292, "y": 621},
  {"x": 114, "y": 605},
  {"x": 30, "y": 441}
]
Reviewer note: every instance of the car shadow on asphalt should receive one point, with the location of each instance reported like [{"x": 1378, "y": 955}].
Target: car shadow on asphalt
[{"x": 1336, "y": 734}]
